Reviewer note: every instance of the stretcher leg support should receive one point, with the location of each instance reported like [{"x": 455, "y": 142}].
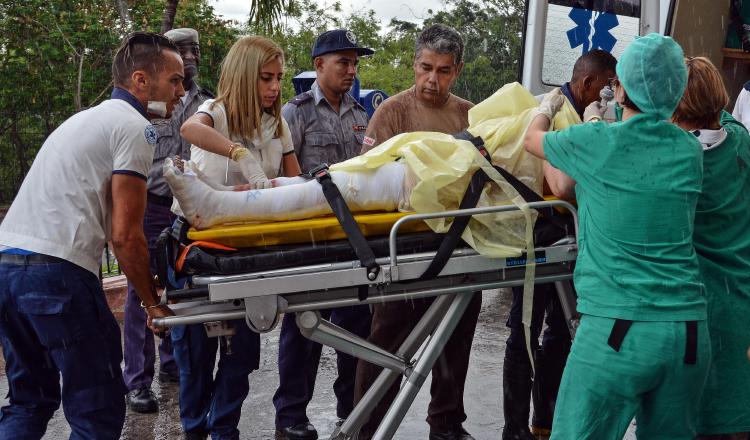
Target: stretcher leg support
[
  {"x": 568, "y": 303},
  {"x": 385, "y": 380},
  {"x": 414, "y": 381},
  {"x": 313, "y": 327}
]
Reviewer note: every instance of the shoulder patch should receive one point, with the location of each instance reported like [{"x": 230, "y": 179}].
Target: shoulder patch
[
  {"x": 300, "y": 99},
  {"x": 151, "y": 136}
]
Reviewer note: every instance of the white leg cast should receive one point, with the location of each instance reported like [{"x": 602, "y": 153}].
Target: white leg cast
[
  {"x": 286, "y": 181},
  {"x": 381, "y": 189}
]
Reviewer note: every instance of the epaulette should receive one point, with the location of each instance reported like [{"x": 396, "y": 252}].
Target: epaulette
[
  {"x": 204, "y": 91},
  {"x": 300, "y": 99},
  {"x": 747, "y": 86}
]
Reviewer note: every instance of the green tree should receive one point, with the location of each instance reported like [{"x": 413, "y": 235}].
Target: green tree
[{"x": 55, "y": 58}]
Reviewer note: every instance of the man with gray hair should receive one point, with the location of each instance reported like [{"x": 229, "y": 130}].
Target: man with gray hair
[{"x": 429, "y": 105}]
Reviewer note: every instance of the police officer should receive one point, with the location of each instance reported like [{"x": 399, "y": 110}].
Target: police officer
[
  {"x": 87, "y": 186},
  {"x": 327, "y": 126},
  {"x": 138, "y": 340}
]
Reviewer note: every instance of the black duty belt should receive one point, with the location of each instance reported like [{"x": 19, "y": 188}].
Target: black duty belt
[
  {"x": 159, "y": 200},
  {"x": 29, "y": 260},
  {"x": 621, "y": 327}
]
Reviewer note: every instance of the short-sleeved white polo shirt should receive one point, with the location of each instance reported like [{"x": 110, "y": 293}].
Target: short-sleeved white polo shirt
[{"x": 64, "y": 205}]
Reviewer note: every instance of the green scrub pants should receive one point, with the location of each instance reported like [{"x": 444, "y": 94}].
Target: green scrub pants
[{"x": 603, "y": 389}]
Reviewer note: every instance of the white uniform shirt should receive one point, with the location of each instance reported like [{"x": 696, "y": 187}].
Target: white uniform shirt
[
  {"x": 267, "y": 149},
  {"x": 741, "y": 110},
  {"x": 64, "y": 205}
]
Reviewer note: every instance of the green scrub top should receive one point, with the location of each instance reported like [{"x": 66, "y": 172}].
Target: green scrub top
[
  {"x": 637, "y": 185},
  {"x": 722, "y": 241}
]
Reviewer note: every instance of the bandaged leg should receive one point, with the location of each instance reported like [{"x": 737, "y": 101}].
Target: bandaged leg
[{"x": 203, "y": 206}]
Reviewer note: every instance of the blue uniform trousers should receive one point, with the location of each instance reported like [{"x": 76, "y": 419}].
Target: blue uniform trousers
[
  {"x": 54, "y": 321},
  {"x": 550, "y": 358},
  {"x": 212, "y": 403},
  {"x": 298, "y": 366},
  {"x": 138, "y": 339}
]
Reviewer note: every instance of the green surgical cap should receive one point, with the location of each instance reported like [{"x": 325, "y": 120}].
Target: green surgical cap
[{"x": 652, "y": 70}]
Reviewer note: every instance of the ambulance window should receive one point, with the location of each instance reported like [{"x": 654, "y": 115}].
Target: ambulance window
[{"x": 576, "y": 26}]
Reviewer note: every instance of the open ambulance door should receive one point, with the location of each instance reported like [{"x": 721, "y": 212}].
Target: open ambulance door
[
  {"x": 557, "y": 32},
  {"x": 700, "y": 26}
]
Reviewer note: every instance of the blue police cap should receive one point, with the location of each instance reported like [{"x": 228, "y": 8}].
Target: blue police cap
[{"x": 336, "y": 41}]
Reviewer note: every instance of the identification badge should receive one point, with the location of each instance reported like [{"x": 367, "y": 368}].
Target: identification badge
[{"x": 368, "y": 141}]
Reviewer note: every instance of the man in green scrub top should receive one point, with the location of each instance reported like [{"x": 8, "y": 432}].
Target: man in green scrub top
[
  {"x": 722, "y": 241},
  {"x": 642, "y": 349}
]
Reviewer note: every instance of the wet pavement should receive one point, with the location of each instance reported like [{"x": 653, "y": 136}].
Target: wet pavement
[{"x": 482, "y": 397}]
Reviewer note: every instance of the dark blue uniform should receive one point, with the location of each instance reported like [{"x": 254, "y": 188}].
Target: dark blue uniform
[
  {"x": 54, "y": 321},
  {"x": 208, "y": 403}
]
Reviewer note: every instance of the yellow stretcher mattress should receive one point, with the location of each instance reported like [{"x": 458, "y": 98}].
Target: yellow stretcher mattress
[{"x": 301, "y": 231}]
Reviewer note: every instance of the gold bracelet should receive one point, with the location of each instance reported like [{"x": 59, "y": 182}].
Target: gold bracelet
[
  {"x": 153, "y": 306},
  {"x": 232, "y": 147}
]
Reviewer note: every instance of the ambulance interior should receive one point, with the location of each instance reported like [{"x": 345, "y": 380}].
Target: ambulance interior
[{"x": 559, "y": 31}]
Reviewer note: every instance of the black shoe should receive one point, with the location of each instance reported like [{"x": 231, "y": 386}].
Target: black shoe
[
  {"x": 301, "y": 431},
  {"x": 196, "y": 435},
  {"x": 517, "y": 434},
  {"x": 169, "y": 376},
  {"x": 454, "y": 433},
  {"x": 142, "y": 400}
]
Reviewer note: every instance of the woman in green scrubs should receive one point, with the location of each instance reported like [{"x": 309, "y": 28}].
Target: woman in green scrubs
[
  {"x": 722, "y": 242},
  {"x": 642, "y": 349}
]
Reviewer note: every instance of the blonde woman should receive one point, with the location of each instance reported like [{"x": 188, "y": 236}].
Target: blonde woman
[
  {"x": 722, "y": 242},
  {"x": 240, "y": 139}
]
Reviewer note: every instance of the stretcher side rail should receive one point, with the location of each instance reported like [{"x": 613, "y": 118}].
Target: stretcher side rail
[
  {"x": 342, "y": 275},
  {"x": 471, "y": 212}
]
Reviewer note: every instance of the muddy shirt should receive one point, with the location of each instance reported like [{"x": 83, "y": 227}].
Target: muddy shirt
[
  {"x": 403, "y": 113},
  {"x": 320, "y": 135}
]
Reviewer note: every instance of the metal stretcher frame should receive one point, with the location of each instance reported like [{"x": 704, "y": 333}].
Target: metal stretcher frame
[{"x": 260, "y": 297}]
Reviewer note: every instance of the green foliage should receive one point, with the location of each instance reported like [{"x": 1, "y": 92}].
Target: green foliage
[{"x": 46, "y": 45}]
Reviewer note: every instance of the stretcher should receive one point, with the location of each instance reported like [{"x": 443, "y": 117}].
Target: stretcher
[{"x": 226, "y": 281}]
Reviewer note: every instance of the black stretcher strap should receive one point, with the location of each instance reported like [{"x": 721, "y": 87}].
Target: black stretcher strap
[
  {"x": 338, "y": 205},
  {"x": 526, "y": 193},
  {"x": 452, "y": 237},
  {"x": 621, "y": 327},
  {"x": 470, "y": 200}
]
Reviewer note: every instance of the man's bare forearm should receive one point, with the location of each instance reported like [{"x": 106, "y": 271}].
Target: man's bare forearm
[{"x": 132, "y": 256}]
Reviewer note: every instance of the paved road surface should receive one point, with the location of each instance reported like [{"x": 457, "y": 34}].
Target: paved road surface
[{"x": 482, "y": 400}]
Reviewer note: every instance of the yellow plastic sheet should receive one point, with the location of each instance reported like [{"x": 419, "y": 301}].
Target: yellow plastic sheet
[{"x": 443, "y": 167}]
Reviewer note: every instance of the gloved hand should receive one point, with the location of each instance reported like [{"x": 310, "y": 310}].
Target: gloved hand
[
  {"x": 594, "y": 112},
  {"x": 552, "y": 103},
  {"x": 251, "y": 169}
]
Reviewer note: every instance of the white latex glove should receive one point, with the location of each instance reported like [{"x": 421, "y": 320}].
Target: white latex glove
[
  {"x": 251, "y": 169},
  {"x": 594, "y": 112},
  {"x": 552, "y": 103}
]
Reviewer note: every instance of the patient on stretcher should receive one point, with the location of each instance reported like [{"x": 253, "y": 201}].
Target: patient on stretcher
[{"x": 422, "y": 172}]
